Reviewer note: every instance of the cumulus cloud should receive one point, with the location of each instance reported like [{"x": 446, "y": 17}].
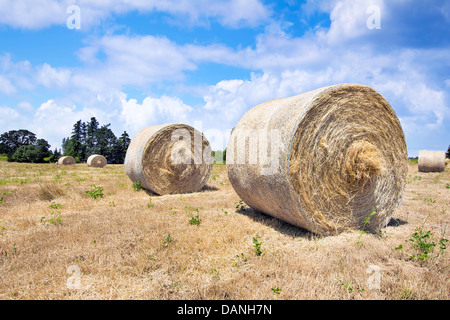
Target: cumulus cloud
[
  {"x": 39, "y": 14},
  {"x": 6, "y": 85},
  {"x": 7, "y": 116},
  {"x": 15, "y": 75},
  {"x": 153, "y": 111},
  {"x": 54, "y": 120},
  {"x": 52, "y": 77},
  {"x": 352, "y": 19},
  {"x": 32, "y": 14}
]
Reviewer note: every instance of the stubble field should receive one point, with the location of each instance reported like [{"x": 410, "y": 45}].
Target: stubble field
[{"x": 59, "y": 242}]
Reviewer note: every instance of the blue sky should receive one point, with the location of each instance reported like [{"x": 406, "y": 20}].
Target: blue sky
[{"x": 138, "y": 63}]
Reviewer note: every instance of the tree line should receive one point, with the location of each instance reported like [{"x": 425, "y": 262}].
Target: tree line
[
  {"x": 23, "y": 146},
  {"x": 86, "y": 138},
  {"x": 90, "y": 138}
]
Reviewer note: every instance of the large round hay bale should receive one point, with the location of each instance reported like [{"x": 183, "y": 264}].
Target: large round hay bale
[
  {"x": 325, "y": 160},
  {"x": 66, "y": 160},
  {"x": 169, "y": 159},
  {"x": 97, "y": 161},
  {"x": 431, "y": 161}
]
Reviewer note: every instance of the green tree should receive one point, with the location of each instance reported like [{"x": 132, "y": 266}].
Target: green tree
[
  {"x": 91, "y": 129},
  {"x": 91, "y": 138},
  {"x": 120, "y": 148},
  {"x": 55, "y": 155},
  {"x": 105, "y": 142},
  {"x": 65, "y": 146},
  {"x": 448, "y": 152},
  {"x": 34, "y": 153},
  {"x": 12, "y": 140},
  {"x": 75, "y": 146}
]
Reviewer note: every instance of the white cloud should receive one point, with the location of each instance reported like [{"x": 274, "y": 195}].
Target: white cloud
[
  {"x": 53, "y": 77},
  {"x": 32, "y": 14},
  {"x": 15, "y": 75},
  {"x": 349, "y": 19},
  {"x": 7, "y": 116},
  {"x": 237, "y": 12},
  {"x": 153, "y": 111},
  {"x": 137, "y": 60},
  {"x": 54, "y": 120},
  {"x": 144, "y": 60},
  {"x": 6, "y": 85},
  {"x": 445, "y": 10},
  {"x": 39, "y": 14},
  {"x": 25, "y": 107},
  {"x": 426, "y": 107}
]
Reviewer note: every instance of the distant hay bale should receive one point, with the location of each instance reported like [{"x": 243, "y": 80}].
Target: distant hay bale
[
  {"x": 323, "y": 160},
  {"x": 431, "y": 161},
  {"x": 66, "y": 160},
  {"x": 169, "y": 159},
  {"x": 97, "y": 161}
]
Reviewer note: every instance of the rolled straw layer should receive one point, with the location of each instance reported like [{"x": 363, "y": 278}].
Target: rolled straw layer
[
  {"x": 97, "y": 161},
  {"x": 325, "y": 160},
  {"x": 169, "y": 159},
  {"x": 66, "y": 160},
  {"x": 431, "y": 161}
]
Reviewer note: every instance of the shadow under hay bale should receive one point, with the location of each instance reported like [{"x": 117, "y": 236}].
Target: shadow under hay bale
[
  {"x": 396, "y": 222},
  {"x": 324, "y": 160},
  {"x": 169, "y": 159},
  {"x": 431, "y": 161},
  {"x": 274, "y": 223}
]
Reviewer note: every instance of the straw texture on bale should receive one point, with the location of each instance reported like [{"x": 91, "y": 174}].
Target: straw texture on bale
[
  {"x": 323, "y": 160},
  {"x": 431, "y": 161},
  {"x": 66, "y": 160},
  {"x": 169, "y": 159},
  {"x": 97, "y": 161}
]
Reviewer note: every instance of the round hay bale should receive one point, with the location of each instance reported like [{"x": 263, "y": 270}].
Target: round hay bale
[
  {"x": 66, "y": 160},
  {"x": 97, "y": 161},
  {"x": 169, "y": 159},
  {"x": 324, "y": 160},
  {"x": 431, "y": 161}
]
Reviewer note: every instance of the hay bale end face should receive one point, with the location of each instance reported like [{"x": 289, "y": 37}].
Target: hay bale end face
[
  {"x": 97, "y": 161},
  {"x": 325, "y": 160},
  {"x": 431, "y": 161},
  {"x": 66, "y": 160},
  {"x": 169, "y": 159}
]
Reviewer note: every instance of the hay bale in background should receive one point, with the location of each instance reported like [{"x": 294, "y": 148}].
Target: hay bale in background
[
  {"x": 66, "y": 160},
  {"x": 431, "y": 161},
  {"x": 323, "y": 160},
  {"x": 168, "y": 159},
  {"x": 97, "y": 161}
]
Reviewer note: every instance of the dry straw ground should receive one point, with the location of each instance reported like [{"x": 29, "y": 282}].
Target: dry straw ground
[{"x": 59, "y": 242}]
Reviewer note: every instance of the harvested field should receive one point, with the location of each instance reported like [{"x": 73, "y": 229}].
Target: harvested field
[{"x": 86, "y": 233}]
